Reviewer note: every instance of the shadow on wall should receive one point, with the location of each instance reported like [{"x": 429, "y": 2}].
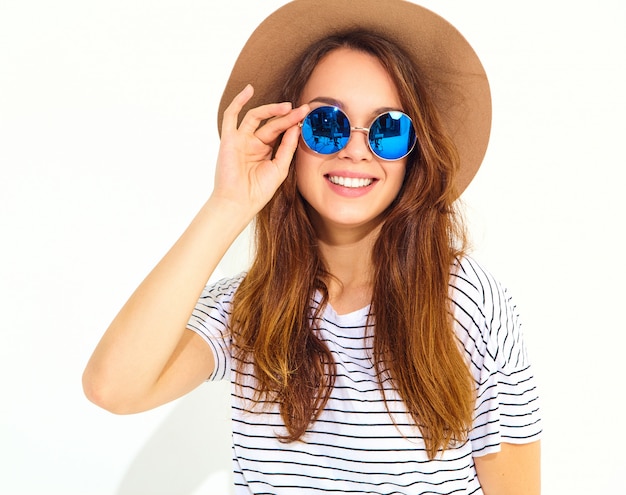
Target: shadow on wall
[{"x": 190, "y": 451}]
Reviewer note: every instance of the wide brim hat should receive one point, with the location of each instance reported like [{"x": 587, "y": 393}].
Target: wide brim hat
[{"x": 452, "y": 72}]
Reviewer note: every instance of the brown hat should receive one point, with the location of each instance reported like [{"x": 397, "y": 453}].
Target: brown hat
[{"x": 452, "y": 72}]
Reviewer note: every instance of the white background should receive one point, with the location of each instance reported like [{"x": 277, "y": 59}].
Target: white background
[{"x": 107, "y": 148}]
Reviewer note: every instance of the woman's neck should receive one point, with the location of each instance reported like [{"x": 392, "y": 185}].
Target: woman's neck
[{"x": 347, "y": 254}]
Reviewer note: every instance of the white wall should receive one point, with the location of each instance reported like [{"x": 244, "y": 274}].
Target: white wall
[{"x": 107, "y": 146}]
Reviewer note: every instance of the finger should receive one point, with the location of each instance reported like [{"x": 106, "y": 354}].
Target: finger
[
  {"x": 287, "y": 148},
  {"x": 275, "y": 127},
  {"x": 254, "y": 117},
  {"x": 291, "y": 137},
  {"x": 231, "y": 114}
]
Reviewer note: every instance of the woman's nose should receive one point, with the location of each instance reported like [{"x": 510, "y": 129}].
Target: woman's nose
[{"x": 357, "y": 148}]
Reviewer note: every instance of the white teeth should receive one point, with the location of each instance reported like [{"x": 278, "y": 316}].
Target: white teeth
[{"x": 352, "y": 182}]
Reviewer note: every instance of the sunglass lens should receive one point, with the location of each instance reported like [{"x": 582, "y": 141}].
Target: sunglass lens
[
  {"x": 392, "y": 136},
  {"x": 326, "y": 130}
]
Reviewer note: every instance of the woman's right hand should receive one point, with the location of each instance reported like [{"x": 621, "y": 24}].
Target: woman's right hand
[
  {"x": 146, "y": 357},
  {"x": 248, "y": 172}
]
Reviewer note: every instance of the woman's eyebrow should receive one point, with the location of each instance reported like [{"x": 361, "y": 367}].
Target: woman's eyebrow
[
  {"x": 381, "y": 110},
  {"x": 336, "y": 103},
  {"x": 327, "y": 100}
]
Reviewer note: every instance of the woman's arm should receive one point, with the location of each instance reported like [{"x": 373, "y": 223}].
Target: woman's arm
[
  {"x": 146, "y": 357},
  {"x": 515, "y": 470}
]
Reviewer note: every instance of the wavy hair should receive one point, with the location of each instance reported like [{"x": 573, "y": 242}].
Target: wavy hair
[{"x": 420, "y": 237}]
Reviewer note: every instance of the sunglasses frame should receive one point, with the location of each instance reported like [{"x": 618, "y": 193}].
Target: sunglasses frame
[{"x": 359, "y": 129}]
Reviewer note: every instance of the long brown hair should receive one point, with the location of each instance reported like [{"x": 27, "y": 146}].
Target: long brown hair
[{"x": 420, "y": 237}]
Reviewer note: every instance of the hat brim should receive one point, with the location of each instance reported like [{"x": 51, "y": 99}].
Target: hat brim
[{"x": 453, "y": 73}]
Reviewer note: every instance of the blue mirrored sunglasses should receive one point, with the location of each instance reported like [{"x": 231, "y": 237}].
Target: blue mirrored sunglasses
[{"x": 326, "y": 130}]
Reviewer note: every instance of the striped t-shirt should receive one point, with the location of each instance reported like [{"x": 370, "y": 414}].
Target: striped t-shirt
[{"x": 355, "y": 447}]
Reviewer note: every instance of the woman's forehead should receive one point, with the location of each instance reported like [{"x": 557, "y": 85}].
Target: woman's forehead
[{"x": 351, "y": 80}]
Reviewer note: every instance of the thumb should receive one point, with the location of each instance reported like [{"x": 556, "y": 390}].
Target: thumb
[{"x": 287, "y": 148}]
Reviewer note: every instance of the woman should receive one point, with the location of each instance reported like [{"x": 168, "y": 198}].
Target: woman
[{"x": 367, "y": 352}]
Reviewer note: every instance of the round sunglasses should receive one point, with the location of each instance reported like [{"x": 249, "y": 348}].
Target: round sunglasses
[{"x": 326, "y": 130}]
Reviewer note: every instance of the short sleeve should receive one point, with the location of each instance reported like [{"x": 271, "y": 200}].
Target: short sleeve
[
  {"x": 210, "y": 319},
  {"x": 507, "y": 405}
]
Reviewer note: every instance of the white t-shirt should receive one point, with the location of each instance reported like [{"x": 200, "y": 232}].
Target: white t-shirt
[{"x": 354, "y": 446}]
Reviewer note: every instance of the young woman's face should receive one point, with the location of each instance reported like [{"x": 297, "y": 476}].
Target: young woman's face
[{"x": 352, "y": 187}]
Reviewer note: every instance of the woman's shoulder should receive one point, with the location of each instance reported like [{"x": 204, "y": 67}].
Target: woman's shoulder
[
  {"x": 474, "y": 279},
  {"x": 220, "y": 292},
  {"x": 214, "y": 304},
  {"x": 224, "y": 285},
  {"x": 475, "y": 291}
]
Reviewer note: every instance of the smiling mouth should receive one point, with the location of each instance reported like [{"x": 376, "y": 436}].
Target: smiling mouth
[{"x": 350, "y": 182}]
